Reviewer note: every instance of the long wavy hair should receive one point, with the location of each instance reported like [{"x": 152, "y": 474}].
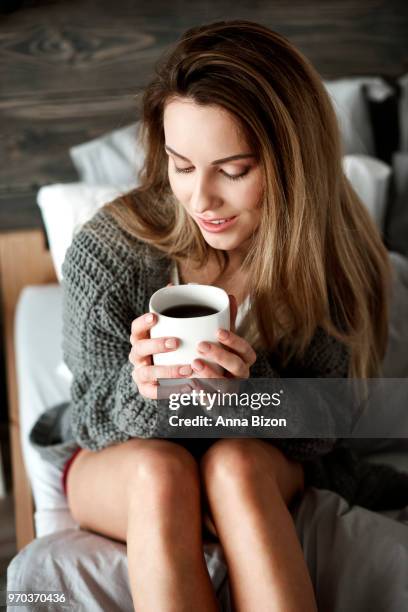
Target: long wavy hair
[{"x": 316, "y": 258}]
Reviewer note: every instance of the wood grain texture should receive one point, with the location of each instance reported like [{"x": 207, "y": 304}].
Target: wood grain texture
[
  {"x": 23, "y": 260},
  {"x": 71, "y": 70}
]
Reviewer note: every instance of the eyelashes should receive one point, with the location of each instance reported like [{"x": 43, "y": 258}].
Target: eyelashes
[{"x": 231, "y": 177}]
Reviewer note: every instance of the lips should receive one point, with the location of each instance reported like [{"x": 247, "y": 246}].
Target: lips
[
  {"x": 217, "y": 227},
  {"x": 214, "y": 219}
]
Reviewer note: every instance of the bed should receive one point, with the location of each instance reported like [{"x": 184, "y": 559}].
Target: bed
[
  {"x": 369, "y": 570},
  {"x": 92, "y": 569}
]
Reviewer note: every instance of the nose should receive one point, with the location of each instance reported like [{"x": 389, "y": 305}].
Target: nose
[{"x": 203, "y": 196}]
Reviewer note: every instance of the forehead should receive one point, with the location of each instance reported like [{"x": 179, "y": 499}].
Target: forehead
[{"x": 188, "y": 125}]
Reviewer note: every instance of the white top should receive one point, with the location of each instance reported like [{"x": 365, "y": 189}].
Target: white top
[{"x": 242, "y": 308}]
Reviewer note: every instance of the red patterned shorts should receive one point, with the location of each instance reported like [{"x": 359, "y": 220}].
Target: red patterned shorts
[{"x": 66, "y": 468}]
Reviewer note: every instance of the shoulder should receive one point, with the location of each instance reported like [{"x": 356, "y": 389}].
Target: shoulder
[
  {"x": 102, "y": 251},
  {"x": 102, "y": 241},
  {"x": 108, "y": 278}
]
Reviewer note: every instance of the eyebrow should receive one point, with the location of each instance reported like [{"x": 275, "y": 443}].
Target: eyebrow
[{"x": 215, "y": 162}]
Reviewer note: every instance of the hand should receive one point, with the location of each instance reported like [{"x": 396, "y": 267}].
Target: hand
[
  {"x": 145, "y": 374},
  {"x": 236, "y": 358}
]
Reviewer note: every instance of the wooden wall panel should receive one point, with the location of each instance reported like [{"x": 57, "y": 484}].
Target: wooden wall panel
[{"x": 71, "y": 70}]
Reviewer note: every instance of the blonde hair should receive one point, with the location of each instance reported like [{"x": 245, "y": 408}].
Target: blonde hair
[{"x": 316, "y": 258}]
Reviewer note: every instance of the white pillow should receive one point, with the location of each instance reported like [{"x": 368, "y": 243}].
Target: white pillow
[
  {"x": 370, "y": 179},
  {"x": 65, "y": 208},
  {"x": 64, "y": 373},
  {"x": 113, "y": 159},
  {"x": 352, "y": 113}
]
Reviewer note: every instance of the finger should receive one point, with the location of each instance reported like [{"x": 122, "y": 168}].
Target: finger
[
  {"x": 233, "y": 310},
  {"x": 204, "y": 369},
  {"x": 231, "y": 362},
  {"x": 205, "y": 384},
  {"x": 147, "y": 374},
  {"x": 142, "y": 325},
  {"x": 198, "y": 385},
  {"x": 212, "y": 386},
  {"x": 153, "y": 346},
  {"x": 146, "y": 389},
  {"x": 138, "y": 362},
  {"x": 195, "y": 385},
  {"x": 151, "y": 389},
  {"x": 238, "y": 345},
  {"x": 181, "y": 389}
]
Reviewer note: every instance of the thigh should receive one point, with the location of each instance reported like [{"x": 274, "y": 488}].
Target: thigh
[
  {"x": 289, "y": 473},
  {"x": 99, "y": 484},
  {"x": 239, "y": 462}
]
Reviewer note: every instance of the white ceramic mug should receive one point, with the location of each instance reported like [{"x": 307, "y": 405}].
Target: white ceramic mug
[{"x": 192, "y": 330}]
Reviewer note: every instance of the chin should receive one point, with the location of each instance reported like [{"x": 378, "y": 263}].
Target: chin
[{"x": 222, "y": 242}]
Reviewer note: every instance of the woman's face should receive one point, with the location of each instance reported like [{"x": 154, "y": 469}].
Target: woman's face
[{"x": 212, "y": 172}]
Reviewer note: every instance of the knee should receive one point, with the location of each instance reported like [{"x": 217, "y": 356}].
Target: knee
[
  {"x": 161, "y": 466},
  {"x": 237, "y": 461}
]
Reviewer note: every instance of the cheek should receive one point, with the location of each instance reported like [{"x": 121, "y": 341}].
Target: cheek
[
  {"x": 171, "y": 178},
  {"x": 178, "y": 185},
  {"x": 172, "y": 184},
  {"x": 251, "y": 195}
]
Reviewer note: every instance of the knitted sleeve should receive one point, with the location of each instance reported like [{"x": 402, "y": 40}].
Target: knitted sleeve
[
  {"x": 325, "y": 357},
  {"x": 104, "y": 289},
  {"x": 100, "y": 283}
]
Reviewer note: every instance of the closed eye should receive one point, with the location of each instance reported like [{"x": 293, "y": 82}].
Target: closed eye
[{"x": 232, "y": 177}]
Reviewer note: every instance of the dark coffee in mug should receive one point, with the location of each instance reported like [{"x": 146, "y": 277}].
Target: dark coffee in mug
[{"x": 186, "y": 311}]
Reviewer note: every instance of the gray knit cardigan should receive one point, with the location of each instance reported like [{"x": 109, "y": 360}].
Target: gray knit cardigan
[{"x": 108, "y": 278}]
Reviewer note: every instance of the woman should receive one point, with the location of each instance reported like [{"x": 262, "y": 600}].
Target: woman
[{"x": 242, "y": 188}]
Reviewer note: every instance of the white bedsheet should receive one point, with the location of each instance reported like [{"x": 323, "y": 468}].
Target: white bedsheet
[{"x": 38, "y": 334}]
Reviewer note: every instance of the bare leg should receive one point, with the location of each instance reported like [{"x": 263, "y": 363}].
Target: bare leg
[
  {"x": 165, "y": 549},
  {"x": 147, "y": 493},
  {"x": 249, "y": 484}
]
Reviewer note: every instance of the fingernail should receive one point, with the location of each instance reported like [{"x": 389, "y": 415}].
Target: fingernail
[
  {"x": 198, "y": 366},
  {"x": 170, "y": 343},
  {"x": 185, "y": 370},
  {"x": 149, "y": 318},
  {"x": 204, "y": 346},
  {"x": 223, "y": 334}
]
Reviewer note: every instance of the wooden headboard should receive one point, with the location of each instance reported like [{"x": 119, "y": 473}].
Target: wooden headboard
[{"x": 24, "y": 260}]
